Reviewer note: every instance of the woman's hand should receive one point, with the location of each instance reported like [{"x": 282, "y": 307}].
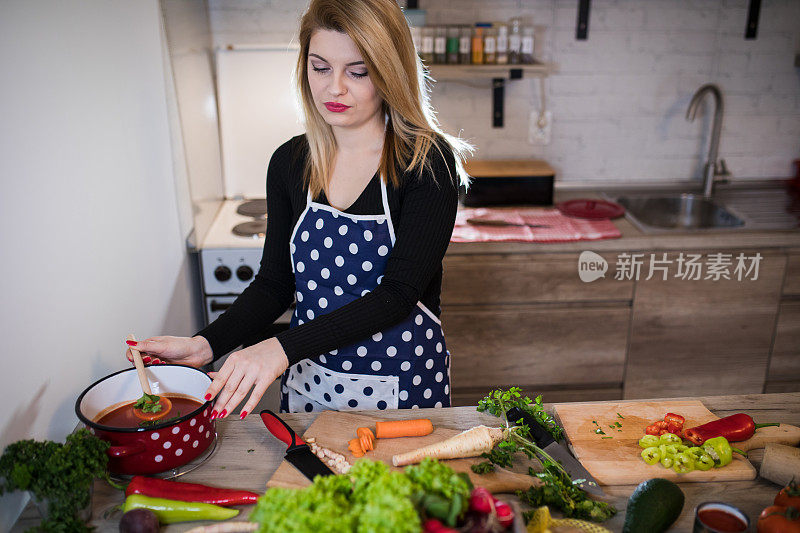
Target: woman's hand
[
  {"x": 191, "y": 351},
  {"x": 254, "y": 368}
]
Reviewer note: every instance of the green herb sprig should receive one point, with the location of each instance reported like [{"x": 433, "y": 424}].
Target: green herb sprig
[
  {"x": 62, "y": 474},
  {"x": 499, "y": 401},
  {"x": 148, "y": 403},
  {"x": 558, "y": 489}
]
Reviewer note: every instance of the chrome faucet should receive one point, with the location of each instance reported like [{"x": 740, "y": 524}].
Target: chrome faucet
[{"x": 713, "y": 169}]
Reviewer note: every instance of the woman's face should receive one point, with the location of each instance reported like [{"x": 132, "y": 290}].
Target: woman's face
[{"x": 340, "y": 84}]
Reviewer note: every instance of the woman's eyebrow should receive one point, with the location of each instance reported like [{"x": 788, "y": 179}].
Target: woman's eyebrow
[{"x": 347, "y": 65}]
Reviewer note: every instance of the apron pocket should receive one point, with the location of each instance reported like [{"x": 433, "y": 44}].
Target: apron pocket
[{"x": 341, "y": 391}]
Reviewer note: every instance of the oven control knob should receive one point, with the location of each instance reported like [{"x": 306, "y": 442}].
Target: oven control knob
[
  {"x": 244, "y": 272},
  {"x": 222, "y": 273}
]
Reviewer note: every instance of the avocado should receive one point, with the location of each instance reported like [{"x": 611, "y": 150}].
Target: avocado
[{"x": 653, "y": 507}]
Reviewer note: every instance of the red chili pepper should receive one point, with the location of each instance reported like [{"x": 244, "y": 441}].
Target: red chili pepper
[
  {"x": 189, "y": 492},
  {"x": 661, "y": 424},
  {"x": 672, "y": 418},
  {"x": 674, "y": 428},
  {"x": 734, "y": 428},
  {"x": 651, "y": 430}
]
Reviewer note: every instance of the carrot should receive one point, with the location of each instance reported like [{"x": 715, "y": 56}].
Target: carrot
[
  {"x": 367, "y": 438},
  {"x": 355, "y": 446},
  {"x": 470, "y": 443},
  {"x": 403, "y": 428}
]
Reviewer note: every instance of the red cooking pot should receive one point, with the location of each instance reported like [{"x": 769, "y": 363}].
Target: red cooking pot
[{"x": 158, "y": 448}]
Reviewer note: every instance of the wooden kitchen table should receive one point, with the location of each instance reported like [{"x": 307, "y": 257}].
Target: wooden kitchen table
[{"x": 248, "y": 455}]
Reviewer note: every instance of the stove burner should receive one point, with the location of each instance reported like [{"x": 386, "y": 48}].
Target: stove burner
[
  {"x": 253, "y": 208},
  {"x": 253, "y": 228}
]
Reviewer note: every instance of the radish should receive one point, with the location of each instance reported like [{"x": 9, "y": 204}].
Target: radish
[
  {"x": 505, "y": 514},
  {"x": 481, "y": 501},
  {"x": 469, "y": 443}
]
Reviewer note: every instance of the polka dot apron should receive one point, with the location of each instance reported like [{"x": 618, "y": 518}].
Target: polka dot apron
[{"x": 336, "y": 258}]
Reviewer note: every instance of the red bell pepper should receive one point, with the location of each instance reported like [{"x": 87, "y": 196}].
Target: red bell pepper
[
  {"x": 734, "y": 428},
  {"x": 189, "y": 492}
]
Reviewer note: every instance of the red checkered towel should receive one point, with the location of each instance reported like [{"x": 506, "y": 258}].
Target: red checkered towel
[{"x": 561, "y": 227}]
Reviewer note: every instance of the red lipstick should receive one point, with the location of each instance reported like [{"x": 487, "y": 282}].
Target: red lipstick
[{"x": 336, "y": 107}]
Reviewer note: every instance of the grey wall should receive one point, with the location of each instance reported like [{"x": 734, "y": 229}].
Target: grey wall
[
  {"x": 619, "y": 98},
  {"x": 91, "y": 240}
]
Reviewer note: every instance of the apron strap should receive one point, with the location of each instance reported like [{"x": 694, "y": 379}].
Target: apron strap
[{"x": 386, "y": 211}]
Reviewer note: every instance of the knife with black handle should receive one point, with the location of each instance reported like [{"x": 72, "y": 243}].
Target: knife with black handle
[
  {"x": 298, "y": 453},
  {"x": 551, "y": 447}
]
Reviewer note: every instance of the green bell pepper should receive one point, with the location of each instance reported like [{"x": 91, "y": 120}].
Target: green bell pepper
[
  {"x": 684, "y": 462},
  {"x": 648, "y": 440},
  {"x": 667, "y": 461},
  {"x": 669, "y": 438},
  {"x": 171, "y": 511},
  {"x": 667, "y": 449},
  {"x": 704, "y": 462},
  {"x": 651, "y": 455},
  {"x": 720, "y": 451},
  {"x": 697, "y": 451}
]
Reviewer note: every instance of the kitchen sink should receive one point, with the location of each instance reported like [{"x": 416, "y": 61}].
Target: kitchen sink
[{"x": 678, "y": 212}]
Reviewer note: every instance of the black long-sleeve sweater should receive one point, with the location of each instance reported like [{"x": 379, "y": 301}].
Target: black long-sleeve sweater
[{"x": 423, "y": 210}]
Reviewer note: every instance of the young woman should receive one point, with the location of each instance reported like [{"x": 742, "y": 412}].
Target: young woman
[{"x": 360, "y": 213}]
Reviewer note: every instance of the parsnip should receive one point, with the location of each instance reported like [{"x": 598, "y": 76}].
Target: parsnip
[{"x": 469, "y": 443}]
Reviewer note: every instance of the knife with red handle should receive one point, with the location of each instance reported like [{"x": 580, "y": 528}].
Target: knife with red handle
[{"x": 298, "y": 453}]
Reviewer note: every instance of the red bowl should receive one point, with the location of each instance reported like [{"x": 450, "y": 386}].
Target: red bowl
[{"x": 157, "y": 448}]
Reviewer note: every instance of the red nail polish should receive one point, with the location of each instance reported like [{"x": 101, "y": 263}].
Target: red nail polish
[
  {"x": 244, "y": 414},
  {"x": 213, "y": 415},
  {"x": 131, "y": 343},
  {"x": 223, "y": 413},
  {"x": 208, "y": 396},
  {"x": 145, "y": 359}
]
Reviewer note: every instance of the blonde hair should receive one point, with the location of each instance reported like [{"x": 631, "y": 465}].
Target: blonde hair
[{"x": 381, "y": 34}]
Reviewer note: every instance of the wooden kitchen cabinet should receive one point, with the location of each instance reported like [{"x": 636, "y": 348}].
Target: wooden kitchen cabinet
[
  {"x": 703, "y": 337},
  {"x": 528, "y": 320},
  {"x": 784, "y": 364}
]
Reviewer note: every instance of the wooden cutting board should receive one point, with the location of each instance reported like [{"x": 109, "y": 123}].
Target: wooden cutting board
[
  {"x": 333, "y": 430},
  {"x": 617, "y": 461}
]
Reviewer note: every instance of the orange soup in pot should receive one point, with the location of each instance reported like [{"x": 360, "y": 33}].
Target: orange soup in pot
[{"x": 122, "y": 415}]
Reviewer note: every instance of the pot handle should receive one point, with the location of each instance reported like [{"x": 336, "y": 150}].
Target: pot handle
[{"x": 124, "y": 451}]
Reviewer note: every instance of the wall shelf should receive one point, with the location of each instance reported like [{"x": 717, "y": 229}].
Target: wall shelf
[
  {"x": 473, "y": 72},
  {"x": 497, "y": 74}
]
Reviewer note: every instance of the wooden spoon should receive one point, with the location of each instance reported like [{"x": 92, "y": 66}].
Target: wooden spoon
[{"x": 166, "y": 405}]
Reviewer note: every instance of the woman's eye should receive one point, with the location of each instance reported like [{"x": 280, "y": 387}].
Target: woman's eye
[
  {"x": 359, "y": 74},
  {"x": 318, "y": 69}
]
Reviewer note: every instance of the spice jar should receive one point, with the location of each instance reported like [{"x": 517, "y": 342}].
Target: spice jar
[
  {"x": 514, "y": 42},
  {"x": 502, "y": 44},
  {"x": 427, "y": 44},
  {"x": 440, "y": 45},
  {"x": 477, "y": 45},
  {"x": 527, "y": 45},
  {"x": 453, "y": 34},
  {"x": 465, "y": 46},
  {"x": 490, "y": 46}
]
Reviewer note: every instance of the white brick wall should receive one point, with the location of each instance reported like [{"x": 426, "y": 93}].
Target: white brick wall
[{"x": 619, "y": 99}]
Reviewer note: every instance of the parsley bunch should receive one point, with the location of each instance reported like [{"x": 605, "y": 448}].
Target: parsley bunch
[
  {"x": 62, "y": 474},
  {"x": 558, "y": 489},
  {"x": 499, "y": 401}
]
